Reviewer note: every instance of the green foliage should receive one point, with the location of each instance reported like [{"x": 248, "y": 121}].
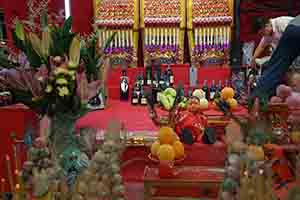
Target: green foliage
[
  {"x": 62, "y": 38},
  {"x": 94, "y": 59}
]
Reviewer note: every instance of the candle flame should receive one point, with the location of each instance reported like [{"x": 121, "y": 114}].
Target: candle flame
[
  {"x": 17, "y": 186},
  {"x": 7, "y": 157},
  {"x": 3, "y": 180}
]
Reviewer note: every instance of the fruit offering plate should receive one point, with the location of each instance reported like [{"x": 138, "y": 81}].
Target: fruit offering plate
[{"x": 156, "y": 160}]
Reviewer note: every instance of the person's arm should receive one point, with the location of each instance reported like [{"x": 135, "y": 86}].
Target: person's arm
[{"x": 265, "y": 41}]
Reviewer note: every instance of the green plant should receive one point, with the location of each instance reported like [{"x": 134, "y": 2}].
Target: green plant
[{"x": 92, "y": 55}]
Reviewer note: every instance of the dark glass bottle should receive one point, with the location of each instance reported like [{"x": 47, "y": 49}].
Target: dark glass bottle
[
  {"x": 124, "y": 86},
  {"x": 143, "y": 100},
  {"x": 212, "y": 91},
  {"x": 205, "y": 89},
  {"x": 134, "y": 97},
  {"x": 148, "y": 76},
  {"x": 218, "y": 90},
  {"x": 167, "y": 78},
  {"x": 171, "y": 75}
]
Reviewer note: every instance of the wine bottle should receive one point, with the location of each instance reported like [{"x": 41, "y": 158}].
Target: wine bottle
[
  {"x": 167, "y": 78},
  {"x": 171, "y": 75},
  {"x": 205, "y": 89},
  {"x": 143, "y": 98},
  {"x": 141, "y": 79},
  {"x": 193, "y": 76},
  {"x": 134, "y": 98},
  {"x": 148, "y": 77},
  {"x": 212, "y": 90},
  {"x": 218, "y": 90},
  {"x": 124, "y": 86}
]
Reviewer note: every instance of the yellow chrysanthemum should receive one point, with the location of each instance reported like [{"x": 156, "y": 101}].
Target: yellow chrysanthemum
[
  {"x": 61, "y": 81},
  {"x": 49, "y": 88},
  {"x": 60, "y": 70},
  {"x": 63, "y": 91}
]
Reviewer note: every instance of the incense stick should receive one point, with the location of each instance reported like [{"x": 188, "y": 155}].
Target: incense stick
[{"x": 9, "y": 173}]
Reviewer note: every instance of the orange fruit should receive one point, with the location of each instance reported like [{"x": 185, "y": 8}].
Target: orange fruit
[
  {"x": 232, "y": 103},
  {"x": 256, "y": 153},
  {"x": 179, "y": 149},
  {"x": 166, "y": 153},
  {"x": 227, "y": 93},
  {"x": 295, "y": 137},
  {"x": 166, "y": 135},
  {"x": 154, "y": 148}
]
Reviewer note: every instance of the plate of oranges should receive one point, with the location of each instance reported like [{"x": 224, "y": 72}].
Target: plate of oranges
[{"x": 167, "y": 147}]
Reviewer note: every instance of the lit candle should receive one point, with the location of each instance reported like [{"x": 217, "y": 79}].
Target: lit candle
[
  {"x": 244, "y": 187},
  {"x": 169, "y": 36},
  {"x": 17, "y": 195},
  {"x": 161, "y": 33},
  {"x": 155, "y": 36},
  {"x": 9, "y": 172},
  {"x": 2, "y": 185},
  {"x": 260, "y": 185}
]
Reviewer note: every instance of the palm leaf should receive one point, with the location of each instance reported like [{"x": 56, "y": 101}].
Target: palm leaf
[{"x": 67, "y": 26}]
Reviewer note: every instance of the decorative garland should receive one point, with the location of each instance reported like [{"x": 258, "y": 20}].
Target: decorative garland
[
  {"x": 209, "y": 24},
  {"x": 164, "y": 22},
  {"x": 120, "y": 17}
]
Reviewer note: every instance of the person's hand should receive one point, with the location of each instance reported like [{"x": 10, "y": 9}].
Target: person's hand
[{"x": 253, "y": 64}]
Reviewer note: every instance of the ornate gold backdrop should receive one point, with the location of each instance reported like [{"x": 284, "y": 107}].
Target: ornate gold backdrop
[{"x": 161, "y": 25}]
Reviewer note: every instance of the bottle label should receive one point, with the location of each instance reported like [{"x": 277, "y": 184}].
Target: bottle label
[
  {"x": 161, "y": 82},
  {"x": 134, "y": 100},
  {"x": 157, "y": 97},
  {"x": 142, "y": 82},
  {"x": 171, "y": 79},
  {"x": 155, "y": 83},
  {"x": 144, "y": 101},
  {"x": 212, "y": 95},
  {"x": 149, "y": 82}
]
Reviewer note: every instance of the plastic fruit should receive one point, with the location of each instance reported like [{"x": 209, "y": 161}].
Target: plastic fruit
[
  {"x": 166, "y": 135},
  {"x": 179, "y": 149},
  {"x": 293, "y": 101},
  {"x": 154, "y": 148},
  {"x": 227, "y": 93},
  {"x": 256, "y": 153},
  {"x": 165, "y": 101},
  {"x": 283, "y": 91},
  {"x": 295, "y": 137},
  {"x": 276, "y": 99},
  {"x": 232, "y": 103},
  {"x": 199, "y": 93},
  {"x": 170, "y": 91},
  {"x": 166, "y": 153},
  {"x": 203, "y": 104}
]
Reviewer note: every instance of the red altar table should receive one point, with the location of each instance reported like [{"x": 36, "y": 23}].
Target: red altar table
[
  {"x": 14, "y": 119},
  {"x": 187, "y": 183}
]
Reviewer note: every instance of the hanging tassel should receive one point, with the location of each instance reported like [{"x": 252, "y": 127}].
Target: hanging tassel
[
  {"x": 150, "y": 36},
  {"x": 127, "y": 38},
  {"x": 166, "y": 37},
  {"x": 119, "y": 39}
]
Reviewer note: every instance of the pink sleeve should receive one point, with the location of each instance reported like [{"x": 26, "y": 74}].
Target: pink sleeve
[{"x": 265, "y": 41}]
